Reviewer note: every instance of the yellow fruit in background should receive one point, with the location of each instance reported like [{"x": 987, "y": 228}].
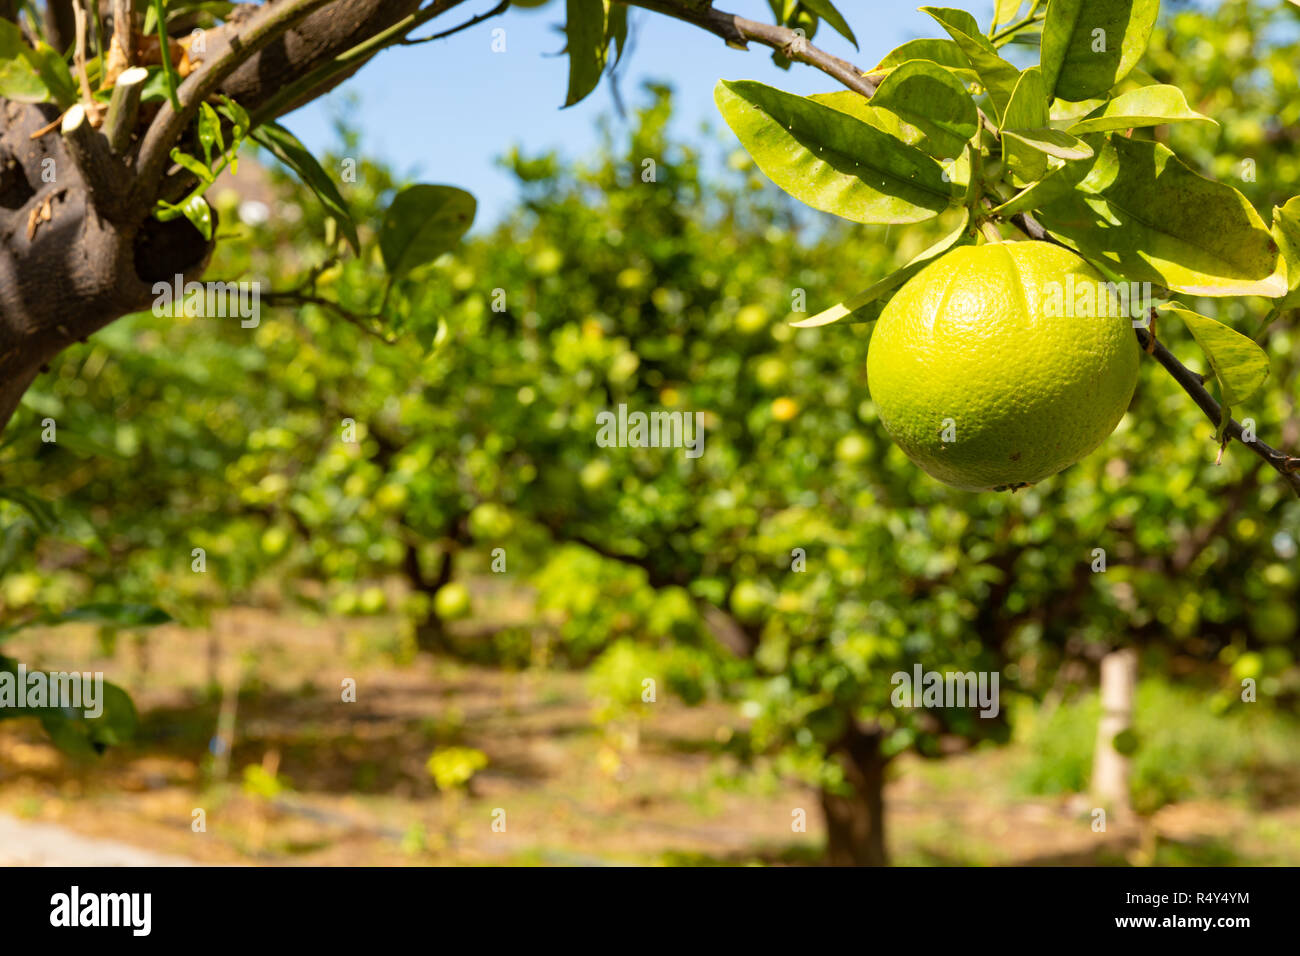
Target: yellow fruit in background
[
  {"x": 751, "y": 319},
  {"x": 452, "y": 601},
  {"x": 784, "y": 409},
  {"x": 982, "y": 382},
  {"x": 372, "y": 600}
]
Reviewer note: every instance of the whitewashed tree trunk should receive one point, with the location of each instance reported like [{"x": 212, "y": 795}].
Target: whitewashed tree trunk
[{"x": 1110, "y": 769}]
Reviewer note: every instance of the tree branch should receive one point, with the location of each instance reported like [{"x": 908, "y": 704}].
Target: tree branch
[
  {"x": 738, "y": 31},
  {"x": 262, "y": 28},
  {"x": 499, "y": 9},
  {"x": 1284, "y": 464}
]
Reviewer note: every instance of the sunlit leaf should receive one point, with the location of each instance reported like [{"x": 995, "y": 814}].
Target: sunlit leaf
[
  {"x": 868, "y": 303},
  {"x": 1090, "y": 45},
  {"x": 1137, "y": 207},
  {"x": 1146, "y": 106},
  {"x": 1239, "y": 363},
  {"x": 423, "y": 222},
  {"x": 933, "y": 100},
  {"x": 831, "y": 160}
]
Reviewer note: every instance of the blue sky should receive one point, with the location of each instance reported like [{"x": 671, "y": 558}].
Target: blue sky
[{"x": 442, "y": 111}]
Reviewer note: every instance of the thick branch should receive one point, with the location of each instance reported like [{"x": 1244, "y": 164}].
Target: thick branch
[{"x": 261, "y": 30}]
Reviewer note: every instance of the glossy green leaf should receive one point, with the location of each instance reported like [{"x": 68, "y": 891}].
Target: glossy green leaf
[
  {"x": 586, "y": 26},
  {"x": 1240, "y": 365},
  {"x": 930, "y": 98},
  {"x": 1026, "y": 110},
  {"x": 1004, "y": 11},
  {"x": 199, "y": 213},
  {"x": 826, "y": 10},
  {"x": 423, "y": 222},
  {"x": 944, "y": 52},
  {"x": 857, "y": 105},
  {"x": 19, "y": 79},
  {"x": 1090, "y": 45},
  {"x": 1050, "y": 142},
  {"x": 867, "y": 304},
  {"x": 1145, "y": 106},
  {"x": 195, "y": 166},
  {"x": 209, "y": 132},
  {"x": 33, "y": 74},
  {"x": 1286, "y": 232},
  {"x": 287, "y": 148},
  {"x": 996, "y": 74},
  {"x": 830, "y": 160},
  {"x": 1138, "y": 208},
  {"x": 616, "y": 30}
]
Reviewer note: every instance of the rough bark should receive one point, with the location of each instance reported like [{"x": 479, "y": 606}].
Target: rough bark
[
  {"x": 79, "y": 247},
  {"x": 855, "y": 821}
]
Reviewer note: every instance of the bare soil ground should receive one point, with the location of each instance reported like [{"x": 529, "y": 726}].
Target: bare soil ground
[{"x": 340, "y": 783}]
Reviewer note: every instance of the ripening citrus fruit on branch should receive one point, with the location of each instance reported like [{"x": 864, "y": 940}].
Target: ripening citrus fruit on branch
[{"x": 983, "y": 382}]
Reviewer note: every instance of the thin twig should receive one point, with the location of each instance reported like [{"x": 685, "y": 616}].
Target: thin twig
[
  {"x": 496, "y": 11},
  {"x": 1284, "y": 464},
  {"x": 362, "y": 320}
]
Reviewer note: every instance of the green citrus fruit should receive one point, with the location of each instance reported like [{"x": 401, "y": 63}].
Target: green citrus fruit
[
  {"x": 452, "y": 601},
  {"x": 990, "y": 371}
]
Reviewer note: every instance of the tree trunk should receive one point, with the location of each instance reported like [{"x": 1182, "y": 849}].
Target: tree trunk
[
  {"x": 855, "y": 822},
  {"x": 431, "y": 633},
  {"x": 1110, "y": 768}
]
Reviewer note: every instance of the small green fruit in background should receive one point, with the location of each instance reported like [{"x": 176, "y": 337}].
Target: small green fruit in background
[{"x": 452, "y": 602}]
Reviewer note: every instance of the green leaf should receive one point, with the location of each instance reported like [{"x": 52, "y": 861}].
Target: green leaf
[
  {"x": 587, "y": 31},
  {"x": 1051, "y": 142},
  {"x": 1145, "y": 106},
  {"x": 55, "y": 74},
  {"x": 19, "y": 79},
  {"x": 1138, "y": 208},
  {"x": 1286, "y": 232},
  {"x": 826, "y": 10},
  {"x": 33, "y": 75},
  {"x": 867, "y": 304},
  {"x": 998, "y": 76},
  {"x": 616, "y": 31},
  {"x": 1026, "y": 110},
  {"x": 1055, "y": 185},
  {"x": 934, "y": 101},
  {"x": 209, "y": 132},
  {"x": 196, "y": 167},
  {"x": 423, "y": 222},
  {"x": 1240, "y": 365},
  {"x": 944, "y": 52},
  {"x": 299, "y": 158},
  {"x": 117, "y": 615},
  {"x": 1090, "y": 45},
  {"x": 196, "y": 209},
  {"x": 1004, "y": 11},
  {"x": 855, "y": 104},
  {"x": 828, "y": 159}
]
